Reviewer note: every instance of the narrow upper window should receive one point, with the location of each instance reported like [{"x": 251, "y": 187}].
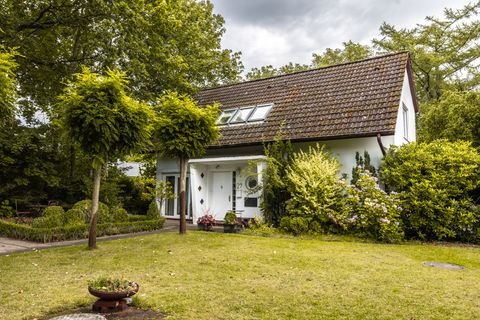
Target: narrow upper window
[
  {"x": 226, "y": 116},
  {"x": 405, "y": 121},
  {"x": 260, "y": 112},
  {"x": 241, "y": 115}
]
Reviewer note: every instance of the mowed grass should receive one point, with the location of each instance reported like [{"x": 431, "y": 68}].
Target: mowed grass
[{"x": 225, "y": 276}]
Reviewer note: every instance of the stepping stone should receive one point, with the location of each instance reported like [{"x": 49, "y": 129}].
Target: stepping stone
[
  {"x": 80, "y": 316},
  {"x": 444, "y": 265}
]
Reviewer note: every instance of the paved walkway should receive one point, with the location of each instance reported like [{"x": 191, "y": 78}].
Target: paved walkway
[{"x": 8, "y": 245}]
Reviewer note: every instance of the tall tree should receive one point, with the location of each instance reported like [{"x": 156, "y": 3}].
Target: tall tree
[
  {"x": 160, "y": 44},
  {"x": 183, "y": 130},
  {"x": 97, "y": 114},
  {"x": 351, "y": 51},
  {"x": 7, "y": 85},
  {"x": 444, "y": 50},
  {"x": 456, "y": 116}
]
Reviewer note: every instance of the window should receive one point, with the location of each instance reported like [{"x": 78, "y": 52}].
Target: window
[
  {"x": 226, "y": 116},
  {"x": 260, "y": 112},
  {"x": 405, "y": 121},
  {"x": 246, "y": 114},
  {"x": 241, "y": 115}
]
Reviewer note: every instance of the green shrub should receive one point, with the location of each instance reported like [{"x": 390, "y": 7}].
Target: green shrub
[
  {"x": 6, "y": 211},
  {"x": 118, "y": 214},
  {"x": 315, "y": 189},
  {"x": 52, "y": 217},
  {"x": 436, "y": 181},
  {"x": 137, "y": 217},
  {"x": 152, "y": 212},
  {"x": 74, "y": 216},
  {"x": 372, "y": 212},
  {"x": 86, "y": 207},
  {"x": 230, "y": 217},
  {"x": 75, "y": 231},
  {"x": 296, "y": 225}
]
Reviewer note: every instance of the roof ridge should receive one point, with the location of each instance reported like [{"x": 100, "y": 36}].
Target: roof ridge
[{"x": 306, "y": 71}]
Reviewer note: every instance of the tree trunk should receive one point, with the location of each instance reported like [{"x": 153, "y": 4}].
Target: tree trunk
[
  {"x": 183, "y": 198},
  {"x": 92, "y": 234}
]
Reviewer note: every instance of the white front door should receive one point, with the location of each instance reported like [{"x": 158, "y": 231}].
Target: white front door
[{"x": 221, "y": 194}]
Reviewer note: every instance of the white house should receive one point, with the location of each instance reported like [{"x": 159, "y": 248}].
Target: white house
[{"x": 363, "y": 105}]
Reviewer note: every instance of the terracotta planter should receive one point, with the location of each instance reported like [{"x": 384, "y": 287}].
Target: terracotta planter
[{"x": 110, "y": 296}]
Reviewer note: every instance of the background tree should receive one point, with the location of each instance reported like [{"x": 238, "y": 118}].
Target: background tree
[
  {"x": 183, "y": 130},
  {"x": 456, "y": 116},
  {"x": 351, "y": 51},
  {"x": 7, "y": 85},
  {"x": 179, "y": 40},
  {"x": 444, "y": 50},
  {"x": 270, "y": 71},
  {"x": 96, "y": 113}
]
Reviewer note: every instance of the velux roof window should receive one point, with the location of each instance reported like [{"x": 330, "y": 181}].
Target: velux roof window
[{"x": 244, "y": 114}]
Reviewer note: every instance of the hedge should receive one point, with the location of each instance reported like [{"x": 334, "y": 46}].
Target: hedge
[{"x": 72, "y": 232}]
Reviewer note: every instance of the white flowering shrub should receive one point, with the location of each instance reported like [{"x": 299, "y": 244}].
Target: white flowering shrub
[{"x": 372, "y": 212}]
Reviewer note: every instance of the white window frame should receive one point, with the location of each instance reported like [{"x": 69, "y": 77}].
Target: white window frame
[{"x": 269, "y": 105}]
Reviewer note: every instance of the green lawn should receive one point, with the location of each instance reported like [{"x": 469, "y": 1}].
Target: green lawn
[{"x": 222, "y": 276}]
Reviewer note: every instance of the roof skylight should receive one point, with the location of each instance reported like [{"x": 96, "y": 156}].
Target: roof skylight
[{"x": 245, "y": 114}]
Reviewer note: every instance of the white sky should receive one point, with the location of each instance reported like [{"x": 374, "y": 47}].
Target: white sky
[{"x": 280, "y": 31}]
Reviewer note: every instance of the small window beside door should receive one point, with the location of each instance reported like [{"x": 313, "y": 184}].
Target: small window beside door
[{"x": 405, "y": 121}]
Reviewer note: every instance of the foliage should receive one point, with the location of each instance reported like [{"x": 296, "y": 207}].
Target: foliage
[
  {"x": 207, "y": 220},
  {"x": 456, "y": 116},
  {"x": 444, "y": 50},
  {"x": 153, "y": 210},
  {"x": 74, "y": 216},
  {"x": 259, "y": 226},
  {"x": 96, "y": 112},
  {"x": 230, "y": 218},
  {"x": 107, "y": 284},
  {"x": 183, "y": 129},
  {"x": 144, "y": 38},
  {"x": 118, "y": 214},
  {"x": 52, "y": 217},
  {"x": 163, "y": 191},
  {"x": 75, "y": 231},
  {"x": 362, "y": 164},
  {"x": 7, "y": 85},
  {"x": 296, "y": 224},
  {"x": 372, "y": 212},
  {"x": 436, "y": 182},
  {"x": 86, "y": 207},
  {"x": 314, "y": 188},
  {"x": 6, "y": 211},
  {"x": 269, "y": 71},
  {"x": 275, "y": 193},
  {"x": 351, "y": 51}
]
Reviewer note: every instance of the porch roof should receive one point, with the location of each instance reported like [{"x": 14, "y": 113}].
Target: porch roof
[{"x": 226, "y": 160}]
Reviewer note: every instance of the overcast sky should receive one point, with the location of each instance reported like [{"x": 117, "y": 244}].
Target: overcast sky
[{"x": 280, "y": 31}]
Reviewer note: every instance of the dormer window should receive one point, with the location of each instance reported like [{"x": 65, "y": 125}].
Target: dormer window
[{"x": 245, "y": 114}]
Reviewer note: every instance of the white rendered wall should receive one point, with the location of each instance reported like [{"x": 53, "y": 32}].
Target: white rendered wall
[
  {"x": 407, "y": 99},
  {"x": 344, "y": 150}
]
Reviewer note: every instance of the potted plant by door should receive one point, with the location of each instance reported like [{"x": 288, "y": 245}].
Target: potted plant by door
[
  {"x": 230, "y": 222},
  {"x": 206, "y": 222}
]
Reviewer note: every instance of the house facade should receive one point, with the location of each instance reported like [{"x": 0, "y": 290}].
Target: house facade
[{"x": 366, "y": 105}]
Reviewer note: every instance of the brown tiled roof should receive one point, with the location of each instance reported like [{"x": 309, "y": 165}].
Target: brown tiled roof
[{"x": 348, "y": 100}]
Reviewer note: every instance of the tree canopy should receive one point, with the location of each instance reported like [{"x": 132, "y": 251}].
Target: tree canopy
[
  {"x": 444, "y": 50},
  {"x": 351, "y": 51},
  {"x": 159, "y": 44},
  {"x": 7, "y": 85}
]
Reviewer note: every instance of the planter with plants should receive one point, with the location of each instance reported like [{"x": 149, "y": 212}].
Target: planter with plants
[
  {"x": 112, "y": 288},
  {"x": 206, "y": 222},
  {"x": 230, "y": 223}
]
